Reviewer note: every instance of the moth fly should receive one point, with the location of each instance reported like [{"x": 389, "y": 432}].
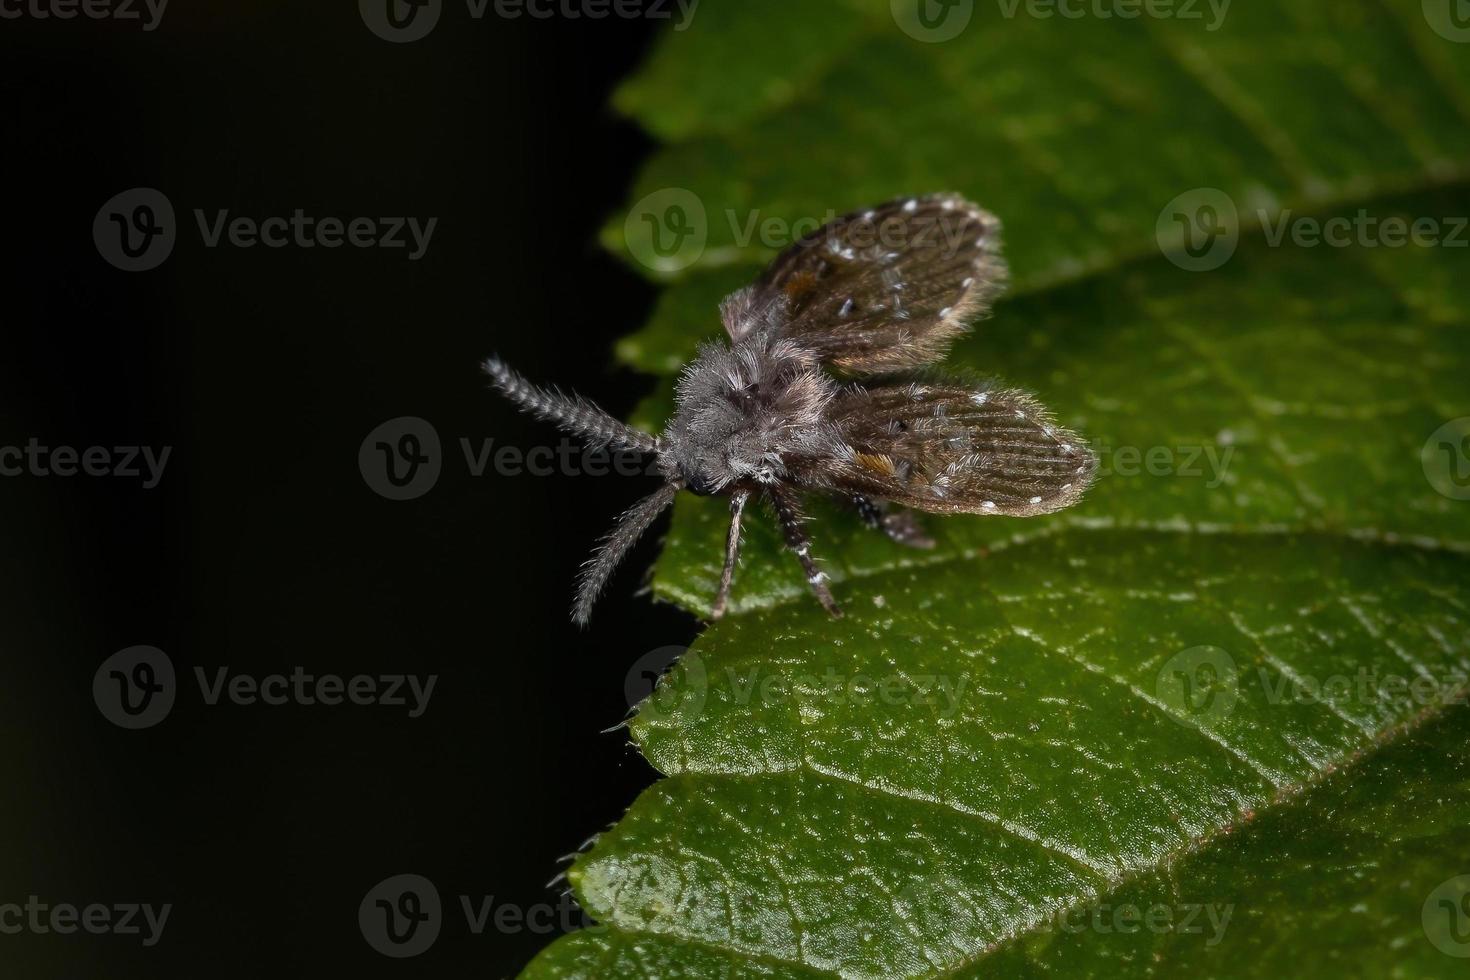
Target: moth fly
[{"x": 826, "y": 385}]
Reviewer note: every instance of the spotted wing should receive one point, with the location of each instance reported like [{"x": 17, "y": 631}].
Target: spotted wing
[
  {"x": 952, "y": 448},
  {"x": 881, "y": 290}
]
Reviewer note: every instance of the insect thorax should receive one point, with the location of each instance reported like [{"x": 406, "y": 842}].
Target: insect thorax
[{"x": 745, "y": 413}]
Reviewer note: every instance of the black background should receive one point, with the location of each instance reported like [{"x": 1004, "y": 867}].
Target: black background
[{"x": 263, "y": 549}]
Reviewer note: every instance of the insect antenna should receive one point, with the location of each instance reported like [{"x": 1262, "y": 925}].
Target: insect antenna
[
  {"x": 572, "y": 413},
  {"x": 624, "y": 534}
]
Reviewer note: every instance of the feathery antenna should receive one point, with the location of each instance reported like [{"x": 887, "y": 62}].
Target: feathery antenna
[
  {"x": 573, "y": 413},
  {"x": 624, "y": 534}
]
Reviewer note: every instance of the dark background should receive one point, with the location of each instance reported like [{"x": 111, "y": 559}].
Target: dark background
[{"x": 263, "y": 549}]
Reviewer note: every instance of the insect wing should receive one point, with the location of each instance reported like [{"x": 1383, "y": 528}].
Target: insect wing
[
  {"x": 953, "y": 448},
  {"x": 880, "y": 290}
]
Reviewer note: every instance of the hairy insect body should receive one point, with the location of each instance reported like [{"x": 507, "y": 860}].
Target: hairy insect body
[
  {"x": 876, "y": 296},
  {"x": 746, "y": 414}
]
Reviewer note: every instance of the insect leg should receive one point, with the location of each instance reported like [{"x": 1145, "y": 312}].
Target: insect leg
[
  {"x": 900, "y": 525},
  {"x": 570, "y": 412},
  {"x": 794, "y": 530},
  {"x": 905, "y": 527},
  {"x": 732, "y": 552},
  {"x": 868, "y": 512}
]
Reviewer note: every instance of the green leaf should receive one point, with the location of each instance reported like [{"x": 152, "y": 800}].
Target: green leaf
[{"x": 1232, "y": 681}]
